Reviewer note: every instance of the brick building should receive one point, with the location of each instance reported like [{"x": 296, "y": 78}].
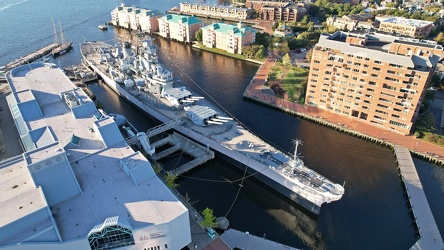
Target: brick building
[
  {"x": 178, "y": 27},
  {"x": 228, "y": 37},
  {"x": 279, "y": 10},
  {"x": 378, "y": 79}
]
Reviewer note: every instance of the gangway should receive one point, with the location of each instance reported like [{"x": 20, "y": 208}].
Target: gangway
[{"x": 155, "y": 130}]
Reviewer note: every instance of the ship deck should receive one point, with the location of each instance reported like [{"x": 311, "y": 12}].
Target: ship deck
[{"x": 230, "y": 139}]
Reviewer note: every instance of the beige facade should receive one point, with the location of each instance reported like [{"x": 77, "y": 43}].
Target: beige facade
[
  {"x": 231, "y": 38},
  {"x": 216, "y": 11},
  {"x": 178, "y": 27},
  {"x": 135, "y": 18},
  {"x": 406, "y": 27},
  {"x": 374, "y": 78},
  {"x": 352, "y": 22}
]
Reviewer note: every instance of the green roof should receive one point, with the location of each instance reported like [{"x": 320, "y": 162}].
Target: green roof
[
  {"x": 229, "y": 28},
  {"x": 180, "y": 18}
]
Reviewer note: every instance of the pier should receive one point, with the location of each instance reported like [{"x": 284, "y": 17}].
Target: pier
[
  {"x": 246, "y": 241},
  {"x": 429, "y": 236},
  {"x": 31, "y": 57}
]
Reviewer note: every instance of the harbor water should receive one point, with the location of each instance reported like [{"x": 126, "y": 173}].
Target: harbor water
[{"x": 374, "y": 211}]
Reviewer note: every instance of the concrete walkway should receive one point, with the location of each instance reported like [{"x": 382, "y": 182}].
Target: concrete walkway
[
  {"x": 246, "y": 241},
  {"x": 254, "y": 91},
  {"x": 429, "y": 236}
]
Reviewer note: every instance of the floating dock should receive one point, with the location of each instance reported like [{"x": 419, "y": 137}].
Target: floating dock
[
  {"x": 245, "y": 241},
  {"x": 429, "y": 235}
]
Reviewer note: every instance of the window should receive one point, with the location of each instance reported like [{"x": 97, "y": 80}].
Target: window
[{"x": 111, "y": 237}]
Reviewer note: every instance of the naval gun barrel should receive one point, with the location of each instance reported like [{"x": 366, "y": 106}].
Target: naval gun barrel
[{"x": 224, "y": 118}]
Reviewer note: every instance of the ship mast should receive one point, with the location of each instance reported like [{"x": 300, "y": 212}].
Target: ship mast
[
  {"x": 56, "y": 36},
  {"x": 62, "y": 38},
  {"x": 296, "y": 144}
]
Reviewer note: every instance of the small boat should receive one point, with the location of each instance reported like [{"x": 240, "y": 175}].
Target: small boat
[{"x": 103, "y": 27}]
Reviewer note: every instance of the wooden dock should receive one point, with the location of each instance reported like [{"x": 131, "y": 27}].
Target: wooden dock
[
  {"x": 246, "y": 241},
  {"x": 31, "y": 57},
  {"x": 429, "y": 235}
]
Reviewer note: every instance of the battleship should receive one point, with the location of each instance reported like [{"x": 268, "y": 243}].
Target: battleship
[{"x": 134, "y": 72}]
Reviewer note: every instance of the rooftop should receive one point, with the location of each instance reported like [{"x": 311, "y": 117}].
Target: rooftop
[
  {"x": 97, "y": 158},
  {"x": 377, "y": 47},
  {"x": 228, "y": 29},
  {"x": 137, "y": 11},
  {"x": 407, "y": 22},
  {"x": 189, "y": 20}
]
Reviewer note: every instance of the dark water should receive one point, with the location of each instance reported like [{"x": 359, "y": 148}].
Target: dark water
[{"x": 373, "y": 213}]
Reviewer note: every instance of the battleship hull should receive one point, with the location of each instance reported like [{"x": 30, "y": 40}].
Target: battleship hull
[{"x": 300, "y": 195}]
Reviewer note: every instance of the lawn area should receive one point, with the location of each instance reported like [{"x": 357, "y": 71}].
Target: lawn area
[
  {"x": 293, "y": 80},
  {"x": 430, "y": 137},
  {"x": 295, "y": 83}
]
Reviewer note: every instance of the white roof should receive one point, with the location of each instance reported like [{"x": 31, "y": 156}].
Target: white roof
[{"x": 107, "y": 190}]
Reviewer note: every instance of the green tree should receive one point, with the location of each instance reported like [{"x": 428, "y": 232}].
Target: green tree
[
  {"x": 199, "y": 35},
  {"x": 440, "y": 37},
  {"x": 100, "y": 105},
  {"x": 260, "y": 54},
  {"x": 286, "y": 60},
  {"x": 170, "y": 180},
  {"x": 426, "y": 122},
  {"x": 209, "y": 220}
]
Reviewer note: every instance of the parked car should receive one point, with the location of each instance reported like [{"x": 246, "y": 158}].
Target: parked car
[{"x": 211, "y": 232}]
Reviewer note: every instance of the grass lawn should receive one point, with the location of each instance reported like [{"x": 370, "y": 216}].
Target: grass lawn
[
  {"x": 430, "y": 137},
  {"x": 295, "y": 83},
  {"x": 225, "y": 53}
]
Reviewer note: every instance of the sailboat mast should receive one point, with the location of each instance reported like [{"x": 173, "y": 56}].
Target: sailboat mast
[
  {"x": 56, "y": 36},
  {"x": 62, "y": 38}
]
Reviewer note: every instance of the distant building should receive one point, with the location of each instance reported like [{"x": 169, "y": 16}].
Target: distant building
[
  {"x": 228, "y": 37},
  {"x": 283, "y": 31},
  {"x": 79, "y": 185},
  {"x": 374, "y": 78},
  {"x": 213, "y": 11},
  {"x": 352, "y": 22},
  {"x": 279, "y": 10},
  {"x": 178, "y": 27},
  {"x": 406, "y": 27},
  {"x": 258, "y": 4},
  {"x": 135, "y": 18}
]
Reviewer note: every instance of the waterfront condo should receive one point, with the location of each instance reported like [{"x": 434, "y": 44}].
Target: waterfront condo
[
  {"x": 179, "y": 28},
  {"x": 374, "y": 78},
  {"x": 228, "y": 37},
  {"x": 135, "y": 18}
]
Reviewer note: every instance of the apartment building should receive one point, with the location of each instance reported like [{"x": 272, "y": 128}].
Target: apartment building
[
  {"x": 279, "y": 10},
  {"x": 214, "y": 11},
  {"x": 375, "y": 78},
  {"x": 406, "y": 27},
  {"x": 135, "y": 18},
  {"x": 179, "y": 27},
  {"x": 352, "y": 22},
  {"x": 228, "y": 37},
  {"x": 289, "y": 13}
]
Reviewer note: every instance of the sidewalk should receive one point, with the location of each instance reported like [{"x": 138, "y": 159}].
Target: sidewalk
[{"x": 427, "y": 150}]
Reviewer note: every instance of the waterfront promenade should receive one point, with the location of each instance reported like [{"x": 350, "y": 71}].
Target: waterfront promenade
[
  {"x": 429, "y": 236},
  {"x": 254, "y": 91}
]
